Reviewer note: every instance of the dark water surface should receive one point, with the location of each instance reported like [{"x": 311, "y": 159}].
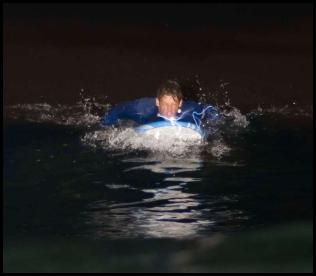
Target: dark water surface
[{"x": 66, "y": 179}]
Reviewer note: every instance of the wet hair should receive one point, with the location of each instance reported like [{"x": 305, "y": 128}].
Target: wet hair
[{"x": 170, "y": 88}]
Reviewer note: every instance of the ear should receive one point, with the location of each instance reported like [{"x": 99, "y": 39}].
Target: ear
[
  {"x": 157, "y": 102},
  {"x": 180, "y": 104}
]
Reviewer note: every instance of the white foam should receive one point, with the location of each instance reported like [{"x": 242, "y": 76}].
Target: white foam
[
  {"x": 219, "y": 149},
  {"x": 239, "y": 119},
  {"x": 173, "y": 132},
  {"x": 128, "y": 139}
]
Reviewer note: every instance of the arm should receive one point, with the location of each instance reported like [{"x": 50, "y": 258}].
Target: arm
[
  {"x": 200, "y": 111},
  {"x": 136, "y": 110},
  {"x": 196, "y": 113}
]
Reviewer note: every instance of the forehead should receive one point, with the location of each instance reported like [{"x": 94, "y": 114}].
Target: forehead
[{"x": 168, "y": 99}]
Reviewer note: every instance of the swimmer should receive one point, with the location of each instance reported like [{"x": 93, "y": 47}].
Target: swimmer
[{"x": 168, "y": 104}]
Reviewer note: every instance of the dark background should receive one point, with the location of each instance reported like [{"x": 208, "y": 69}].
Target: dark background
[{"x": 263, "y": 53}]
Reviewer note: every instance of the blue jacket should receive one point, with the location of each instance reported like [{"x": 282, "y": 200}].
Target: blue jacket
[{"x": 144, "y": 110}]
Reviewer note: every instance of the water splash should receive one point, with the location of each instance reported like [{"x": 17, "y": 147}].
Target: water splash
[
  {"x": 127, "y": 139},
  {"x": 219, "y": 149},
  {"x": 123, "y": 138},
  {"x": 289, "y": 110},
  {"x": 237, "y": 118},
  {"x": 72, "y": 115}
]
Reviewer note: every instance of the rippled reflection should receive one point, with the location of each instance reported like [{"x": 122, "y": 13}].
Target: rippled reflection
[
  {"x": 169, "y": 210},
  {"x": 165, "y": 166}
]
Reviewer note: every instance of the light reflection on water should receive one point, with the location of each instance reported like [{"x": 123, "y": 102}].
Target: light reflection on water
[
  {"x": 170, "y": 212},
  {"x": 166, "y": 165}
]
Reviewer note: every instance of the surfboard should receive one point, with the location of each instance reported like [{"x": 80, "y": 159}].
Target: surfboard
[{"x": 169, "y": 129}]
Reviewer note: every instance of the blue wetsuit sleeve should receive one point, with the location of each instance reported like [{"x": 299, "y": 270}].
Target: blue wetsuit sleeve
[
  {"x": 136, "y": 110},
  {"x": 194, "y": 112},
  {"x": 201, "y": 110},
  {"x": 114, "y": 114}
]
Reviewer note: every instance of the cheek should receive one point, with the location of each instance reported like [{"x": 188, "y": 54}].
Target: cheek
[{"x": 173, "y": 108}]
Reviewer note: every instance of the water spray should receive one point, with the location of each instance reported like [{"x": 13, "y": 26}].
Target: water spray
[{"x": 198, "y": 124}]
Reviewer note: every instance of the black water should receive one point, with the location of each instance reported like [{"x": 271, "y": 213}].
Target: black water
[{"x": 59, "y": 185}]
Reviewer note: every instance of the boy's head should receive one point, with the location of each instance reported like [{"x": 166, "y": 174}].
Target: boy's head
[{"x": 169, "y": 98}]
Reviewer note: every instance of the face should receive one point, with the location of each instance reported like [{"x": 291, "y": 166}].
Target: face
[{"x": 168, "y": 106}]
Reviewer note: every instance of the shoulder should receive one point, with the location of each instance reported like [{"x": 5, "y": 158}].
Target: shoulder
[
  {"x": 145, "y": 100},
  {"x": 192, "y": 105},
  {"x": 137, "y": 101}
]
